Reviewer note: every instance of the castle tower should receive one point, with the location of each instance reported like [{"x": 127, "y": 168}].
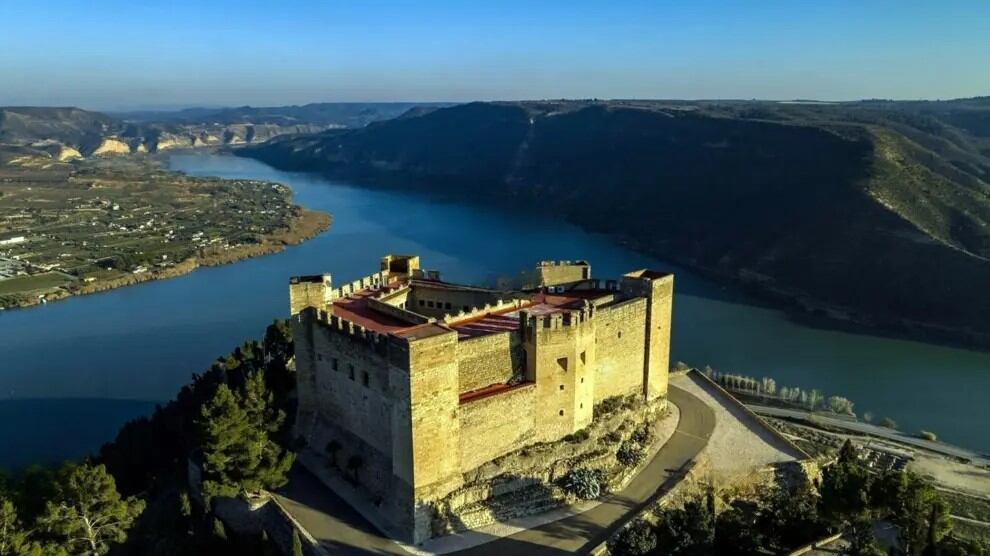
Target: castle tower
[
  {"x": 560, "y": 354},
  {"x": 425, "y": 427},
  {"x": 309, "y": 291},
  {"x": 401, "y": 266},
  {"x": 658, "y": 289},
  {"x": 552, "y": 273}
]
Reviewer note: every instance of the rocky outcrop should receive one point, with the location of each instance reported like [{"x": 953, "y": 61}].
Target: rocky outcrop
[{"x": 111, "y": 146}]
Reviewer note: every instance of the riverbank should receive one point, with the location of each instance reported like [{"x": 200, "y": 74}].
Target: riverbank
[
  {"x": 762, "y": 290},
  {"x": 306, "y": 225}
]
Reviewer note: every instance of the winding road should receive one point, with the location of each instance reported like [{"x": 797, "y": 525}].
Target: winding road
[{"x": 340, "y": 530}]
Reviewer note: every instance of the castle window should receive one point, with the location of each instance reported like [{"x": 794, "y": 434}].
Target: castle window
[
  {"x": 333, "y": 364},
  {"x": 561, "y": 413},
  {"x": 563, "y": 363},
  {"x": 351, "y": 372},
  {"x": 561, "y": 386},
  {"x": 429, "y": 304},
  {"x": 422, "y": 303},
  {"x": 466, "y": 309},
  {"x": 620, "y": 334},
  {"x": 582, "y": 380},
  {"x": 446, "y": 305},
  {"x": 582, "y": 358},
  {"x": 582, "y": 406},
  {"x": 365, "y": 379},
  {"x": 319, "y": 357}
]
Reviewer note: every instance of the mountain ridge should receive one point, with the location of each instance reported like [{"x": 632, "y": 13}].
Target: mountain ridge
[{"x": 880, "y": 216}]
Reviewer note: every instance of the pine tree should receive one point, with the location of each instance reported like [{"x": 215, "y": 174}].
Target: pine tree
[
  {"x": 13, "y": 538},
  {"x": 239, "y": 455},
  {"x": 88, "y": 514}
]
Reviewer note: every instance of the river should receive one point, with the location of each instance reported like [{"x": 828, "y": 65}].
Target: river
[{"x": 72, "y": 372}]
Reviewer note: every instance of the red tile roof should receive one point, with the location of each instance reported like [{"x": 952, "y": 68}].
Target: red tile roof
[{"x": 492, "y": 390}]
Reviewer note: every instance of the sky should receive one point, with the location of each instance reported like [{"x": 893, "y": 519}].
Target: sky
[{"x": 117, "y": 55}]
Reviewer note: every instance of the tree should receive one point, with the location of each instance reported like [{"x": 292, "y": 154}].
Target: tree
[
  {"x": 14, "y": 540},
  {"x": 790, "y": 517},
  {"x": 638, "y": 539},
  {"x": 689, "y": 531},
  {"x": 238, "y": 452},
  {"x": 845, "y": 489},
  {"x": 88, "y": 514},
  {"x": 918, "y": 511}
]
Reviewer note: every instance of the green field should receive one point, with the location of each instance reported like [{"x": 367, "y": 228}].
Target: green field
[{"x": 22, "y": 284}]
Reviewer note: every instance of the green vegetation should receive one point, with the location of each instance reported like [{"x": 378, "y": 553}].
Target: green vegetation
[
  {"x": 38, "y": 282},
  {"x": 766, "y": 391},
  {"x": 93, "y": 225},
  {"x": 240, "y": 456},
  {"x": 83, "y": 513},
  {"x": 841, "y": 210},
  {"x": 131, "y": 498},
  {"x": 584, "y": 483},
  {"x": 849, "y": 499}
]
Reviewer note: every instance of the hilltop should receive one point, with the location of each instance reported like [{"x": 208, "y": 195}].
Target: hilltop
[{"x": 874, "y": 211}]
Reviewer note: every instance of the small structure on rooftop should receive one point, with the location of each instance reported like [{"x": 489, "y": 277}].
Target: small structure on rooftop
[{"x": 423, "y": 381}]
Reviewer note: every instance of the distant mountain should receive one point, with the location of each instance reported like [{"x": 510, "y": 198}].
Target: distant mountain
[
  {"x": 65, "y": 133},
  {"x": 335, "y": 114},
  {"x": 874, "y": 211}
]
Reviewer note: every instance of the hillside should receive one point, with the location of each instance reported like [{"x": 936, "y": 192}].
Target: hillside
[
  {"x": 65, "y": 133},
  {"x": 876, "y": 211},
  {"x": 335, "y": 114}
]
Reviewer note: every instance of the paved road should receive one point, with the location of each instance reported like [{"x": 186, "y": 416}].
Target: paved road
[
  {"x": 338, "y": 527},
  {"x": 873, "y": 430},
  {"x": 341, "y": 530},
  {"x": 583, "y": 532}
]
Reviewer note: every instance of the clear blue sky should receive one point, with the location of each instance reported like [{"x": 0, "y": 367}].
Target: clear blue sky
[{"x": 106, "y": 54}]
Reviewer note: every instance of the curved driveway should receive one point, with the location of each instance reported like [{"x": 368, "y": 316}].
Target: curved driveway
[
  {"x": 341, "y": 530},
  {"x": 583, "y": 532}
]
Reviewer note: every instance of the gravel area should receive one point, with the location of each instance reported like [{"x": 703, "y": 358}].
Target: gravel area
[
  {"x": 951, "y": 474},
  {"x": 739, "y": 443}
]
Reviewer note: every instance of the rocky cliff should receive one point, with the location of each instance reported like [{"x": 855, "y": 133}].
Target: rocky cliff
[{"x": 64, "y": 133}]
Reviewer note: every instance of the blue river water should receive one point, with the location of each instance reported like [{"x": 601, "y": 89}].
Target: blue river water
[{"x": 72, "y": 372}]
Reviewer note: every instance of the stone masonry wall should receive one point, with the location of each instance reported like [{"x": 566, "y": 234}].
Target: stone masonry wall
[
  {"x": 496, "y": 425},
  {"x": 489, "y": 359},
  {"x": 620, "y": 348},
  {"x": 351, "y": 386}
]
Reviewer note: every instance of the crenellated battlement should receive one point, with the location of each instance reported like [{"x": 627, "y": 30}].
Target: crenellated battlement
[
  {"x": 565, "y": 262},
  {"x": 537, "y": 324},
  {"x": 350, "y": 329},
  {"x": 372, "y": 280},
  {"x": 488, "y": 308}
]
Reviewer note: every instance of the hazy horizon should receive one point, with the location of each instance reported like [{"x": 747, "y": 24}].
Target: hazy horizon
[{"x": 118, "y": 56}]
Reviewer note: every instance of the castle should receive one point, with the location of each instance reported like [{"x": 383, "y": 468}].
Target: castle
[{"x": 417, "y": 381}]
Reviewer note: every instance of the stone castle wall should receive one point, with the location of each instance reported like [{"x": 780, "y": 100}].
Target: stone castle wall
[
  {"x": 621, "y": 336},
  {"x": 491, "y": 359},
  {"x": 440, "y": 301},
  {"x": 496, "y": 425}
]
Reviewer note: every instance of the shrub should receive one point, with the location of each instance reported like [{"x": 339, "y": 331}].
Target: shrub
[
  {"x": 608, "y": 406},
  {"x": 928, "y": 435},
  {"x": 629, "y": 454},
  {"x": 612, "y": 438},
  {"x": 889, "y": 423},
  {"x": 637, "y": 539},
  {"x": 583, "y": 483},
  {"x": 643, "y": 435}
]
